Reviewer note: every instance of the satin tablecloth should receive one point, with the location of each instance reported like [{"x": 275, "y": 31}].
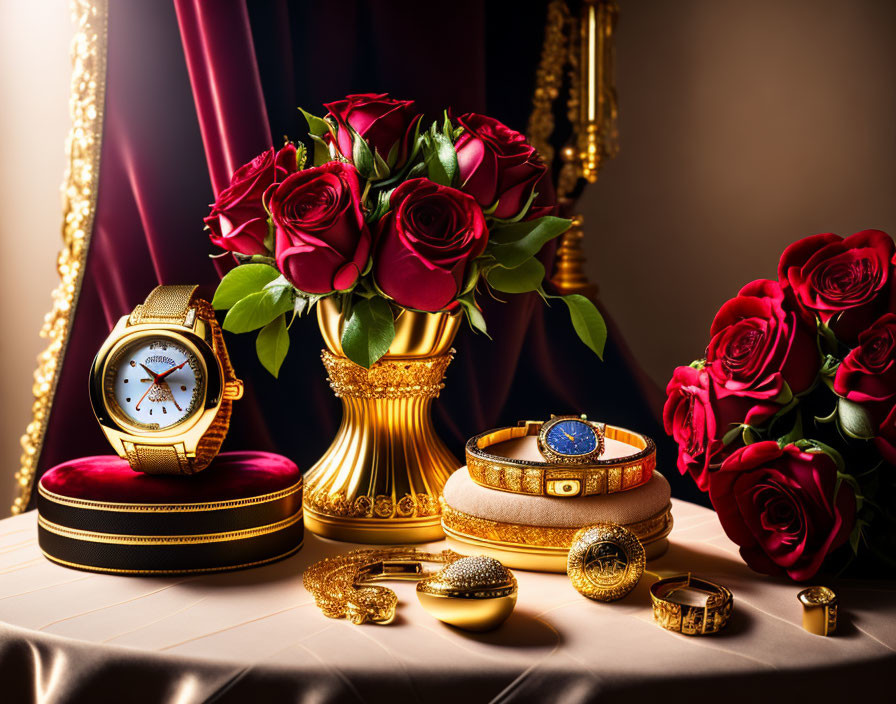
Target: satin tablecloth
[{"x": 256, "y": 636}]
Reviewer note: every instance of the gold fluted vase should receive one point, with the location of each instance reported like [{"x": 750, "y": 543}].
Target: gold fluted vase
[{"x": 381, "y": 478}]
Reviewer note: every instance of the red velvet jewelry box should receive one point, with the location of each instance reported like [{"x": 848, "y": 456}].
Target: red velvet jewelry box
[{"x": 243, "y": 510}]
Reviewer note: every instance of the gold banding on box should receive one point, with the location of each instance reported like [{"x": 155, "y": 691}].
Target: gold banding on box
[
  {"x": 820, "y": 608},
  {"x": 523, "y": 476},
  {"x": 673, "y": 612}
]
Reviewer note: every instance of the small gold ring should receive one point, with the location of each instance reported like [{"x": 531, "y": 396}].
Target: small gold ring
[
  {"x": 674, "y": 614},
  {"x": 820, "y": 607},
  {"x": 605, "y": 561}
]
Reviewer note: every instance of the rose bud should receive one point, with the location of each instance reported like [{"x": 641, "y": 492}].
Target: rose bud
[
  {"x": 323, "y": 243},
  {"x": 783, "y": 507},
  {"x": 386, "y": 124},
  {"x": 238, "y": 221},
  {"x": 496, "y": 164},
  {"x": 845, "y": 282},
  {"x": 424, "y": 243},
  {"x": 758, "y": 345}
]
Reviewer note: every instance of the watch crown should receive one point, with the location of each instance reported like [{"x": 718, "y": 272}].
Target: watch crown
[{"x": 233, "y": 390}]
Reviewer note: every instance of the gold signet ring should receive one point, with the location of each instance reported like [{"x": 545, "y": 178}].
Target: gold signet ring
[
  {"x": 605, "y": 561},
  {"x": 819, "y": 610},
  {"x": 474, "y": 593}
]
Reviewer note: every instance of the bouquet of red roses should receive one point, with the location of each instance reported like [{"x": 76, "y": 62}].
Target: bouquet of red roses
[
  {"x": 789, "y": 422},
  {"x": 385, "y": 215}
]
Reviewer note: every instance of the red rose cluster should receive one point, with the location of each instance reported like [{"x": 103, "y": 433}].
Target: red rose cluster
[
  {"x": 381, "y": 215},
  {"x": 421, "y": 247},
  {"x": 789, "y": 422}
]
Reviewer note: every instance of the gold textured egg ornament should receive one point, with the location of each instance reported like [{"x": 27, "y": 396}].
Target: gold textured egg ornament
[
  {"x": 474, "y": 593},
  {"x": 605, "y": 561}
]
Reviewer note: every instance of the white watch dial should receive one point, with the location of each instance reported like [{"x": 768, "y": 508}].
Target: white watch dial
[{"x": 155, "y": 382}]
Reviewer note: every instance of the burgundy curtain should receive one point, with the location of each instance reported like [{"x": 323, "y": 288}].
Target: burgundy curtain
[{"x": 194, "y": 89}]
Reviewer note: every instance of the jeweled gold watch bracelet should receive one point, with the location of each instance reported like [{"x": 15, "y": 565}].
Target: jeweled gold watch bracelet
[{"x": 549, "y": 479}]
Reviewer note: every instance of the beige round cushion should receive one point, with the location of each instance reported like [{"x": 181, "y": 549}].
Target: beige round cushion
[{"x": 463, "y": 494}]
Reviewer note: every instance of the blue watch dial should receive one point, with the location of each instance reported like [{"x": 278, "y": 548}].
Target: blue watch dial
[{"x": 571, "y": 437}]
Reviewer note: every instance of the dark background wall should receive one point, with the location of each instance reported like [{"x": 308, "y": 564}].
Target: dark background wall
[{"x": 744, "y": 125}]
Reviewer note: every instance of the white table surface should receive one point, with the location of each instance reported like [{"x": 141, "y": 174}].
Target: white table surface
[{"x": 256, "y": 635}]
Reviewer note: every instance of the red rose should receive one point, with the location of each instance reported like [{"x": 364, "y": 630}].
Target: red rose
[
  {"x": 697, "y": 420},
  {"x": 496, "y": 164},
  {"x": 868, "y": 373},
  {"x": 840, "y": 280},
  {"x": 886, "y": 438},
  {"x": 238, "y": 221},
  {"x": 758, "y": 345},
  {"x": 322, "y": 240},
  {"x": 783, "y": 507},
  {"x": 424, "y": 243},
  {"x": 386, "y": 124}
]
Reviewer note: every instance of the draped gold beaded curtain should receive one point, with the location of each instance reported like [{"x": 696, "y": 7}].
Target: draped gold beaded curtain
[
  {"x": 79, "y": 205},
  {"x": 578, "y": 51}
]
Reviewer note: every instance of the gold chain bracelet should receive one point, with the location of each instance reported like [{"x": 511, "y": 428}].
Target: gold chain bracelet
[
  {"x": 338, "y": 583},
  {"x": 475, "y": 593}
]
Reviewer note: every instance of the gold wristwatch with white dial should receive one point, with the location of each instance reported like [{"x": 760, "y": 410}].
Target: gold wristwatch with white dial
[{"x": 162, "y": 386}]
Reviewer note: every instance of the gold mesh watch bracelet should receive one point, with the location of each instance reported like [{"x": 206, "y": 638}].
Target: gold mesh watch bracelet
[{"x": 177, "y": 305}]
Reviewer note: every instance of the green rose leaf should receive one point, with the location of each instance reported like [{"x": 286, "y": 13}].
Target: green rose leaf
[
  {"x": 516, "y": 243},
  {"x": 380, "y": 167},
  {"x": 525, "y": 277},
  {"x": 242, "y": 281},
  {"x": 587, "y": 322},
  {"x": 417, "y": 171},
  {"x": 441, "y": 161},
  {"x": 855, "y": 420},
  {"x": 257, "y": 310},
  {"x": 321, "y": 150},
  {"x": 272, "y": 345},
  {"x": 301, "y": 156},
  {"x": 812, "y": 445},
  {"x": 369, "y": 331},
  {"x": 474, "y": 315},
  {"x": 471, "y": 278},
  {"x": 732, "y": 434},
  {"x": 317, "y": 126},
  {"x": 796, "y": 433}
]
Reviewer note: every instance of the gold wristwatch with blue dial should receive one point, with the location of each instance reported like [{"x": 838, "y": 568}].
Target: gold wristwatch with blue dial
[
  {"x": 162, "y": 385},
  {"x": 571, "y": 440}
]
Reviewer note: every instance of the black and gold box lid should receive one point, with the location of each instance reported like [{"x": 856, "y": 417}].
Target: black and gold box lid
[{"x": 96, "y": 514}]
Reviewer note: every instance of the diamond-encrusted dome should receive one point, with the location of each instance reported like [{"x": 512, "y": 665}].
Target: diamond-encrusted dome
[{"x": 476, "y": 571}]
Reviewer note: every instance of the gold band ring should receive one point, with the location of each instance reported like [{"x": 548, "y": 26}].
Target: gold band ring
[
  {"x": 674, "y": 614},
  {"x": 820, "y": 607}
]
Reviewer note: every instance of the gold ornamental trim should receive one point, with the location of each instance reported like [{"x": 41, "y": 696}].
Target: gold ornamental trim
[
  {"x": 380, "y": 508},
  {"x": 79, "y": 190},
  {"x": 197, "y": 539},
  {"x": 387, "y": 378},
  {"x": 529, "y": 538},
  {"x": 199, "y": 570},
  {"x": 167, "y": 508}
]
